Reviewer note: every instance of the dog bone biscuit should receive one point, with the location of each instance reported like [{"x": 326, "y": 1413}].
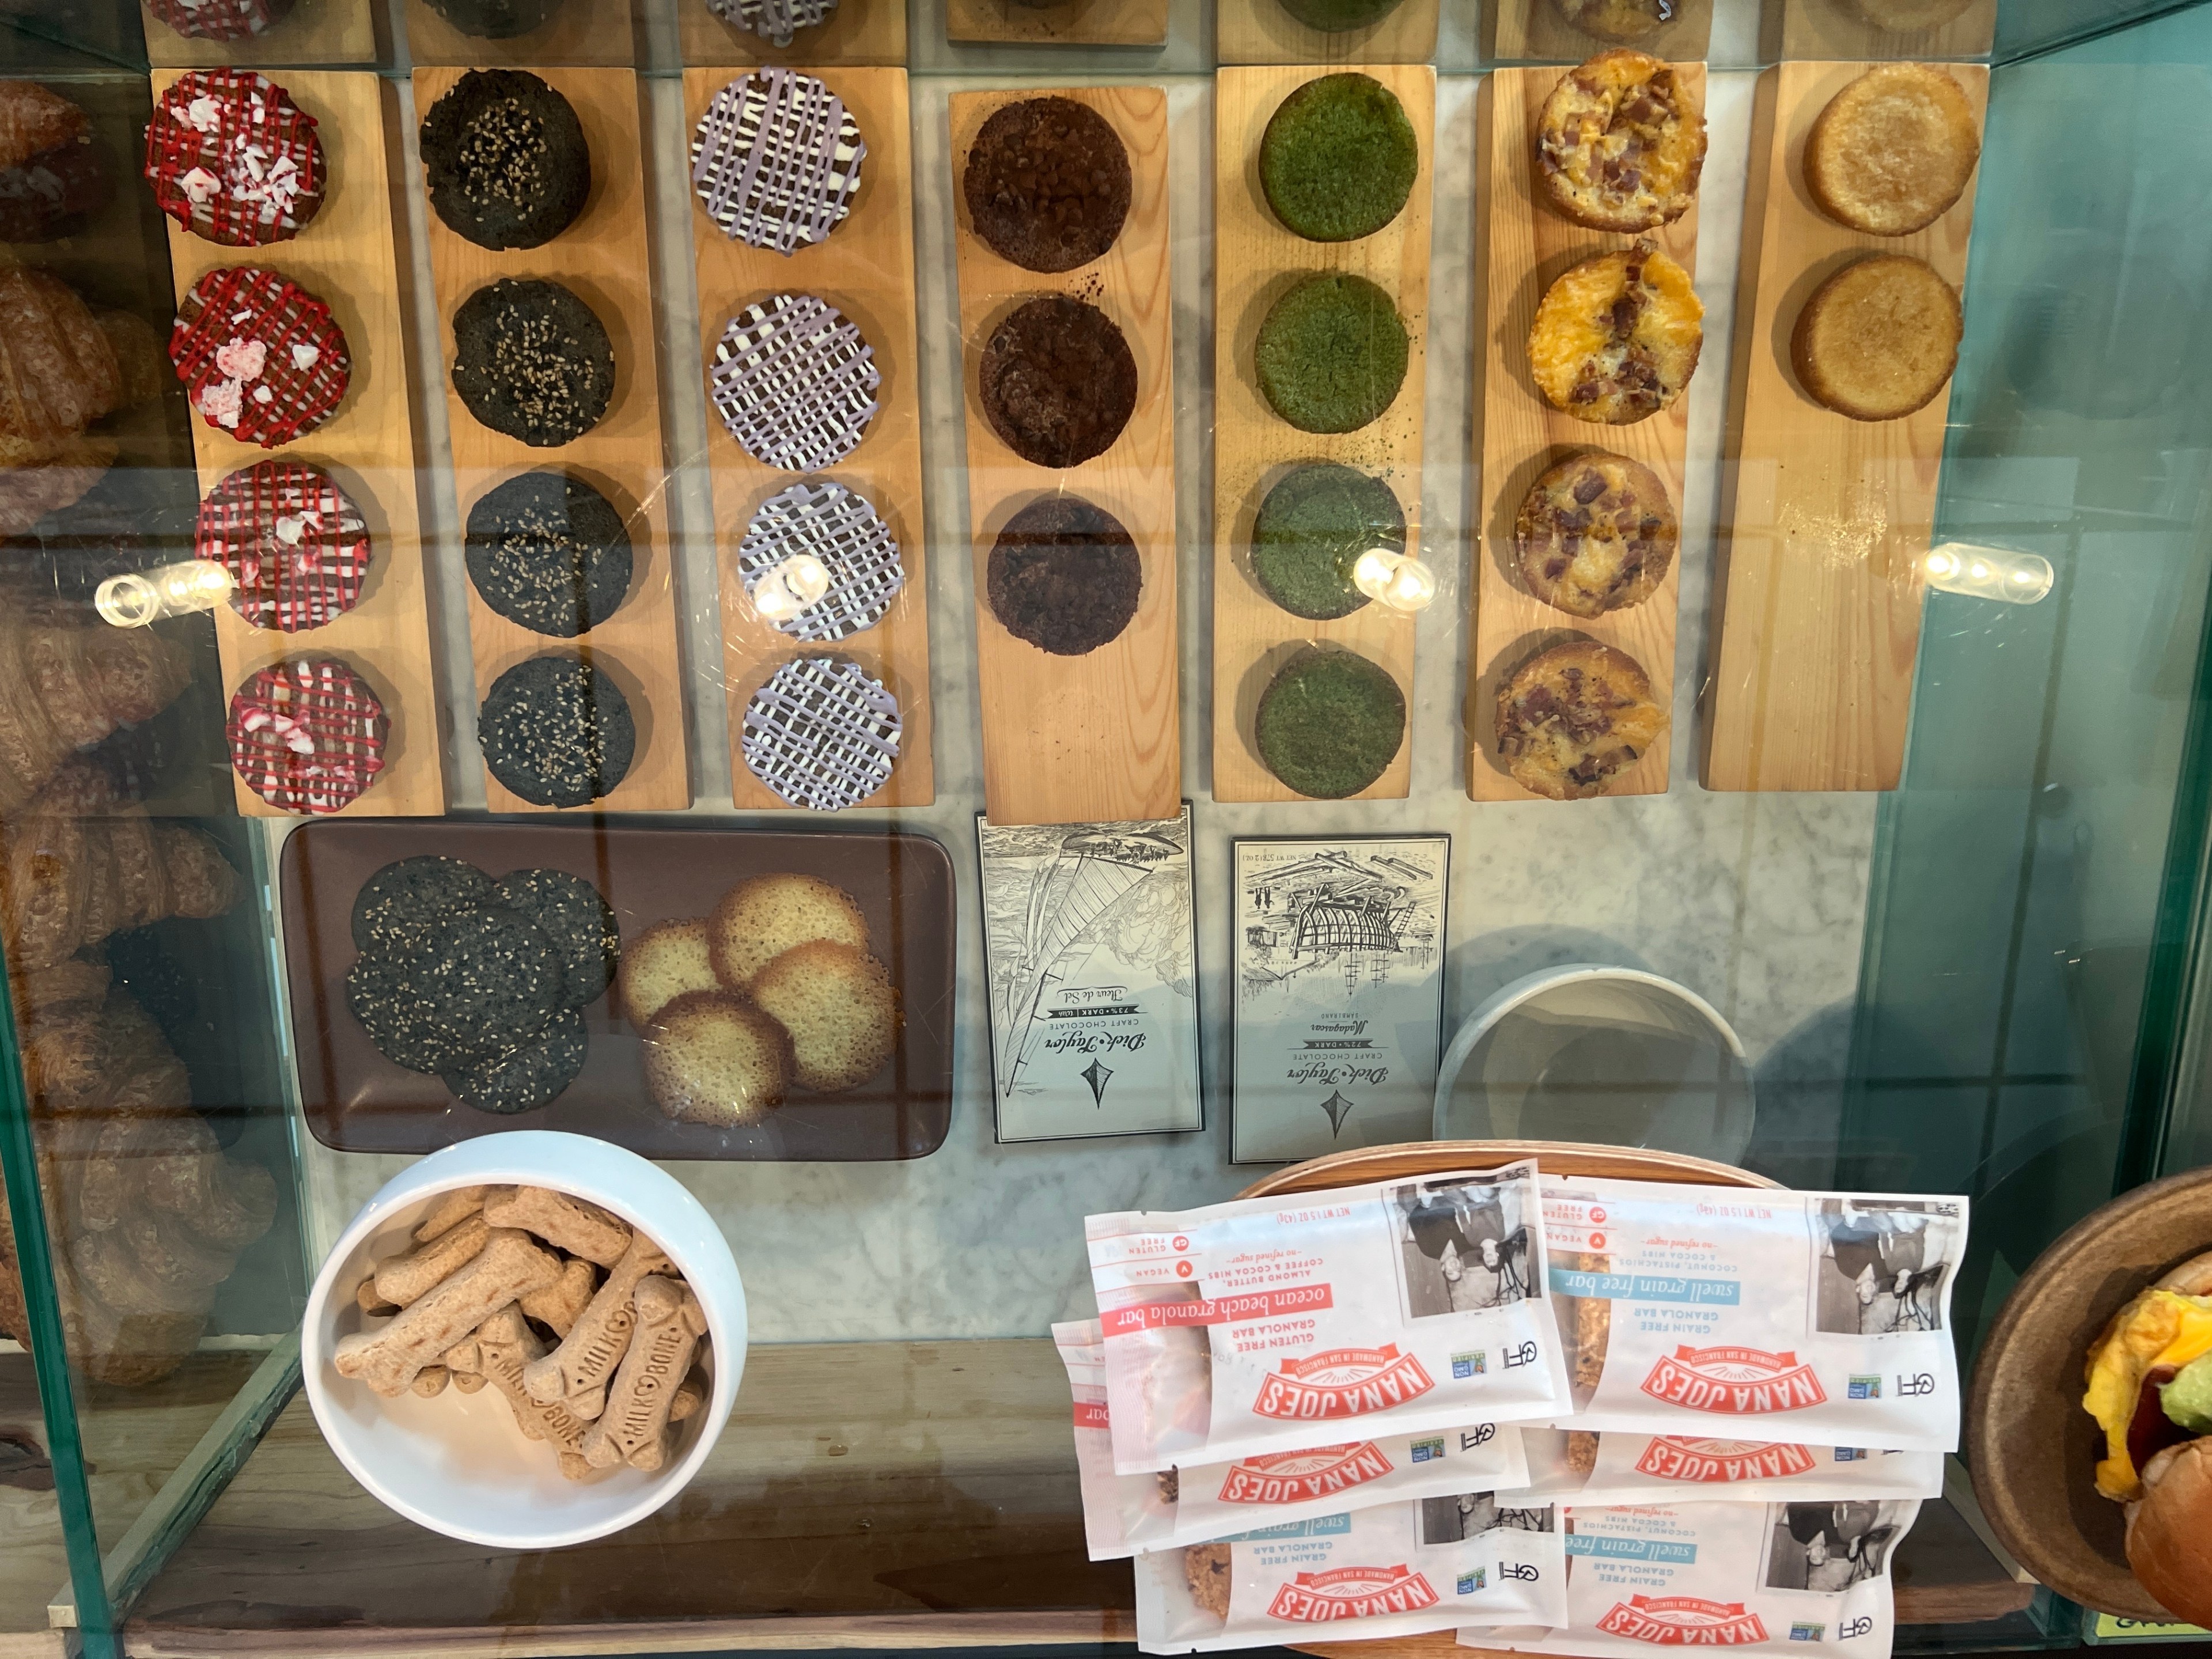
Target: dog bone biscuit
[
  {"x": 370, "y": 1303},
  {"x": 690, "y": 1397},
  {"x": 574, "y": 1466},
  {"x": 567, "y": 1224},
  {"x": 670, "y": 1323},
  {"x": 652, "y": 1456},
  {"x": 510, "y": 1264},
  {"x": 431, "y": 1381},
  {"x": 405, "y": 1277},
  {"x": 576, "y": 1372},
  {"x": 449, "y": 1212},
  {"x": 505, "y": 1346},
  {"x": 561, "y": 1303}
]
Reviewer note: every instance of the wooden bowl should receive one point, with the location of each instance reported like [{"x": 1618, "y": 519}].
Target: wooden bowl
[
  {"x": 1426, "y": 1157},
  {"x": 2031, "y": 1447}
]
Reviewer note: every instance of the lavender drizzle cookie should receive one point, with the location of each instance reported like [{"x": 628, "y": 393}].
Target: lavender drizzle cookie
[
  {"x": 823, "y": 733},
  {"x": 774, "y": 21},
  {"x": 776, "y": 160},
  {"x": 842, "y": 528},
  {"x": 795, "y": 383}
]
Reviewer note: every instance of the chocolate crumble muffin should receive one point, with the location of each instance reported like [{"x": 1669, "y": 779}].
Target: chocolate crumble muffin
[
  {"x": 1064, "y": 576},
  {"x": 1058, "y": 381},
  {"x": 532, "y": 361},
  {"x": 549, "y": 551},
  {"x": 557, "y": 731},
  {"x": 506, "y": 159},
  {"x": 1048, "y": 184}
]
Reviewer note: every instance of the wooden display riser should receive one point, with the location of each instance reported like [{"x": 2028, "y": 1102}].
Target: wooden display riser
[
  {"x": 1838, "y": 28},
  {"x": 858, "y": 31},
  {"x": 1262, "y": 32},
  {"x": 1072, "y": 23},
  {"x": 313, "y": 31},
  {"x": 604, "y": 32},
  {"x": 346, "y": 257},
  {"x": 1535, "y": 30}
]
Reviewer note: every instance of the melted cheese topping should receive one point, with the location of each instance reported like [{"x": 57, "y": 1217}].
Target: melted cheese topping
[{"x": 2160, "y": 1328}]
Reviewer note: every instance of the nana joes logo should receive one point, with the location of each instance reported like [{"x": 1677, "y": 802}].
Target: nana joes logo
[
  {"x": 1682, "y": 1621},
  {"x": 1707, "y": 1461},
  {"x": 1741, "y": 1381},
  {"x": 1301, "y": 1477},
  {"x": 1320, "y": 1598},
  {"x": 1342, "y": 1382}
]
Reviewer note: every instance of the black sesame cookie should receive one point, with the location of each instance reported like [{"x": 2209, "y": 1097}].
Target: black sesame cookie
[
  {"x": 549, "y": 551},
  {"x": 1058, "y": 381},
  {"x": 526, "y": 1075},
  {"x": 489, "y": 975},
  {"x": 532, "y": 361},
  {"x": 1048, "y": 184},
  {"x": 1064, "y": 576},
  {"x": 497, "y": 20},
  {"x": 557, "y": 730},
  {"x": 384, "y": 991},
  {"x": 402, "y": 905},
  {"x": 571, "y": 913},
  {"x": 506, "y": 159}
]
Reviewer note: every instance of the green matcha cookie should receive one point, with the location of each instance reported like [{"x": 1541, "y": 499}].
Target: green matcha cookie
[
  {"x": 1332, "y": 354},
  {"x": 1338, "y": 158},
  {"x": 1310, "y": 531},
  {"x": 1335, "y": 16},
  {"x": 1330, "y": 723}
]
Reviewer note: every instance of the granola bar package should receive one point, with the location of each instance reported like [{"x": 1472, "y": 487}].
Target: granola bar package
[
  {"x": 1401, "y": 1570},
  {"x": 1577, "y": 1466},
  {"x": 1725, "y": 1313},
  {"x": 1758, "y": 1579},
  {"x": 1283, "y": 1324},
  {"x": 1130, "y": 1514}
]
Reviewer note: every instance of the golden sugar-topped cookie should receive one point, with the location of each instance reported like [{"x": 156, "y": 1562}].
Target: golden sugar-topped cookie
[
  {"x": 1878, "y": 339},
  {"x": 838, "y": 1005},
  {"x": 1893, "y": 150}
]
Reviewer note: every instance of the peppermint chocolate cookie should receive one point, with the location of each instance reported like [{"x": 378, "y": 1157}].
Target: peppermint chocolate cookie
[
  {"x": 1572, "y": 720},
  {"x": 533, "y": 360},
  {"x": 506, "y": 159},
  {"x": 308, "y": 735},
  {"x": 795, "y": 382},
  {"x": 1621, "y": 143},
  {"x": 261, "y": 358},
  {"x": 776, "y": 160},
  {"x": 295, "y": 545},
  {"x": 1616, "y": 338},
  {"x": 220, "y": 19},
  {"x": 1595, "y": 533},
  {"x": 1048, "y": 184},
  {"x": 233, "y": 159}
]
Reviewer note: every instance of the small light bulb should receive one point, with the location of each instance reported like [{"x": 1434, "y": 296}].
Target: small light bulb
[
  {"x": 134, "y": 599},
  {"x": 1989, "y": 573},
  {"x": 781, "y": 593},
  {"x": 1940, "y": 564},
  {"x": 1978, "y": 571},
  {"x": 1394, "y": 580}
]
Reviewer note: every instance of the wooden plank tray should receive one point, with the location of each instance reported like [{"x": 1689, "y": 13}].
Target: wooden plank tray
[
  {"x": 1073, "y": 22},
  {"x": 357, "y": 1100},
  {"x": 312, "y": 32},
  {"x": 858, "y": 31},
  {"x": 1092, "y": 738},
  {"x": 605, "y": 258},
  {"x": 599, "y": 32},
  {"x": 1520, "y": 248},
  {"x": 1837, "y": 28},
  {"x": 866, "y": 269},
  {"x": 1262, "y": 32},
  {"x": 345, "y": 256},
  {"x": 1825, "y": 520},
  {"x": 1255, "y": 259},
  {"x": 1515, "y": 31}
]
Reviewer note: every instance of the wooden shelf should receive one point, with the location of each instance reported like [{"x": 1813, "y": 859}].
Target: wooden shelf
[
  {"x": 1072, "y": 23},
  {"x": 594, "y": 31},
  {"x": 1255, "y": 259},
  {"x": 1262, "y": 32},
  {"x": 346, "y": 257},
  {"x": 1838, "y": 29},
  {"x": 1520, "y": 30},
  {"x": 871, "y": 32}
]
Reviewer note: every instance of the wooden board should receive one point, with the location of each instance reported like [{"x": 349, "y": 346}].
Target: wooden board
[
  {"x": 605, "y": 258},
  {"x": 345, "y": 256},
  {"x": 594, "y": 31},
  {"x": 1255, "y": 259},
  {"x": 1070, "y": 22},
  {"x": 1262, "y": 32},
  {"x": 1093, "y": 738},
  {"x": 866, "y": 269},
  {"x": 858, "y": 31},
  {"x": 1838, "y": 28},
  {"x": 312, "y": 32},
  {"x": 1521, "y": 246},
  {"x": 1535, "y": 30},
  {"x": 1825, "y": 520}
]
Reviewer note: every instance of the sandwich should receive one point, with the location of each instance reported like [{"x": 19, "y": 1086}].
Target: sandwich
[{"x": 2150, "y": 1389}]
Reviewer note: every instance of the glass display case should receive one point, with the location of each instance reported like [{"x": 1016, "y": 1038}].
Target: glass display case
[{"x": 926, "y": 719}]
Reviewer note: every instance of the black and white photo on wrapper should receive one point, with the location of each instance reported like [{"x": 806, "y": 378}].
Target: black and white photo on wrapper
[
  {"x": 1828, "y": 1548},
  {"x": 1463, "y": 1246},
  {"x": 1459, "y": 1516},
  {"x": 1880, "y": 1266}
]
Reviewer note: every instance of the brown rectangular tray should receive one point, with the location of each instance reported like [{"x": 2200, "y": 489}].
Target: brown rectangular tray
[{"x": 357, "y": 1100}]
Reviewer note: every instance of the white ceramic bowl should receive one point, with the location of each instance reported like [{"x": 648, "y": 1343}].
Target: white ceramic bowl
[
  {"x": 1591, "y": 1053},
  {"x": 456, "y": 1463}
]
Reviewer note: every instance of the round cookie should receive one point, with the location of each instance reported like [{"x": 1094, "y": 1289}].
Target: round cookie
[
  {"x": 1572, "y": 719},
  {"x": 296, "y": 547},
  {"x": 1332, "y": 354},
  {"x": 497, "y": 20},
  {"x": 775, "y": 22},
  {"x": 760, "y": 919},
  {"x": 557, "y": 730},
  {"x": 1339, "y": 158},
  {"x": 661, "y": 964},
  {"x": 775, "y": 160},
  {"x": 1058, "y": 381},
  {"x": 390, "y": 1006},
  {"x": 1893, "y": 150},
  {"x": 841, "y": 529},
  {"x": 838, "y": 1005},
  {"x": 1048, "y": 184},
  {"x": 1621, "y": 143},
  {"x": 1339, "y": 16},
  {"x": 1595, "y": 532},
  {"x": 575, "y": 918},
  {"x": 795, "y": 382},
  {"x": 261, "y": 357},
  {"x": 822, "y": 732},
  {"x": 1624, "y": 21},
  {"x": 402, "y": 905},
  {"x": 549, "y": 551},
  {"x": 1310, "y": 530},
  {"x": 1064, "y": 575},
  {"x": 232, "y": 159},
  {"x": 1616, "y": 338},
  {"x": 306, "y": 735},
  {"x": 1878, "y": 339},
  {"x": 533, "y": 360},
  {"x": 505, "y": 160},
  {"x": 527, "y": 1075},
  {"x": 220, "y": 19},
  {"x": 489, "y": 976},
  {"x": 1330, "y": 723},
  {"x": 712, "y": 1057}
]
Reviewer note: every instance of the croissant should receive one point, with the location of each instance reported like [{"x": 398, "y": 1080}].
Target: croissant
[
  {"x": 66, "y": 682},
  {"x": 45, "y": 475},
  {"x": 33, "y": 120},
  {"x": 58, "y": 371}
]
